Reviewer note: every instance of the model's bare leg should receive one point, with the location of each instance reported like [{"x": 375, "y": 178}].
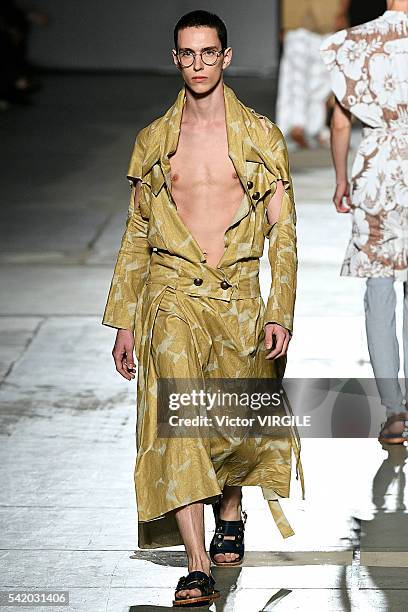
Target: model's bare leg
[
  {"x": 190, "y": 520},
  {"x": 230, "y": 511}
]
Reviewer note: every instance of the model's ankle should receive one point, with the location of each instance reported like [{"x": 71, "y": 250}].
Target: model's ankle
[
  {"x": 231, "y": 504},
  {"x": 199, "y": 564}
]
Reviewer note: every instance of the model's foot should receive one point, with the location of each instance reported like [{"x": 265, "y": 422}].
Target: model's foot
[
  {"x": 202, "y": 565},
  {"x": 229, "y": 511},
  {"x": 298, "y": 136},
  {"x": 395, "y": 429}
]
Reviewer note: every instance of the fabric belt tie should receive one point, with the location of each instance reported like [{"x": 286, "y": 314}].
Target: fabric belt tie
[{"x": 198, "y": 279}]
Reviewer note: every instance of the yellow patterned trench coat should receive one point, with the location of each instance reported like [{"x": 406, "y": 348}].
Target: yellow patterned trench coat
[{"x": 191, "y": 320}]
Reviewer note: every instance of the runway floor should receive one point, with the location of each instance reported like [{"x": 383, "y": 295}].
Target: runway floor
[{"x": 67, "y": 419}]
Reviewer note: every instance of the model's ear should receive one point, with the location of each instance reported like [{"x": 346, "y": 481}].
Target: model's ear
[
  {"x": 175, "y": 58},
  {"x": 227, "y": 57}
]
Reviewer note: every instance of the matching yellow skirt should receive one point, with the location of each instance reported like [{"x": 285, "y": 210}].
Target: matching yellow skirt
[{"x": 185, "y": 336}]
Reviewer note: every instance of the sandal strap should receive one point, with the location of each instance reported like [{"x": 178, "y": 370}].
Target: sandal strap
[
  {"x": 227, "y": 546},
  {"x": 230, "y": 528},
  {"x": 216, "y": 510},
  {"x": 197, "y": 580}
]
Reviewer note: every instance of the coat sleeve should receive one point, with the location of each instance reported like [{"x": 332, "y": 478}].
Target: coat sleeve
[
  {"x": 282, "y": 250},
  {"x": 133, "y": 259}
]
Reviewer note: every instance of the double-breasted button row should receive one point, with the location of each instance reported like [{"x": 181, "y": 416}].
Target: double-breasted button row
[
  {"x": 224, "y": 284},
  {"x": 256, "y": 195}
]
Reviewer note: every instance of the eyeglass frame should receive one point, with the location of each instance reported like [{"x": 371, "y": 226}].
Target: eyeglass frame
[{"x": 200, "y": 53}]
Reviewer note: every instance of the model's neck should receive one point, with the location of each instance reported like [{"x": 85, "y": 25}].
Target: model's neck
[
  {"x": 207, "y": 108},
  {"x": 397, "y": 5}
]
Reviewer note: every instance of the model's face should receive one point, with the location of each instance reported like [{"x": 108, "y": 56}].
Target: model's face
[{"x": 199, "y": 77}]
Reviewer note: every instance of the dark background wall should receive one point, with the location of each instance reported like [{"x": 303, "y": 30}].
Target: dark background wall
[{"x": 137, "y": 34}]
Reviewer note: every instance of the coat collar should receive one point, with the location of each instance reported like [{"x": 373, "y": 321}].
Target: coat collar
[{"x": 244, "y": 135}]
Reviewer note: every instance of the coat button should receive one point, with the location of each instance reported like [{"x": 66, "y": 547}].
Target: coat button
[
  {"x": 250, "y": 184},
  {"x": 256, "y": 195},
  {"x": 225, "y": 284},
  {"x": 198, "y": 281}
]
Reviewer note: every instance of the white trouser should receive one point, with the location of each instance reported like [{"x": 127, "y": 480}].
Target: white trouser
[
  {"x": 304, "y": 83},
  {"x": 379, "y": 303}
]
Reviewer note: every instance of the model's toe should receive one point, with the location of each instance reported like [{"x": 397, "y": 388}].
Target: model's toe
[
  {"x": 225, "y": 558},
  {"x": 188, "y": 593}
]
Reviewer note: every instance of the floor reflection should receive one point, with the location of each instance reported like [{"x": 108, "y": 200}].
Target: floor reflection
[{"x": 380, "y": 543}]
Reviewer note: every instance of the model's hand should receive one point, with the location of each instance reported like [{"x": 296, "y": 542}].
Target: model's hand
[
  {"x": 279, "y": 337},
  {"x": 123, "y": 353},
  {"x": 342, "y": 191}
]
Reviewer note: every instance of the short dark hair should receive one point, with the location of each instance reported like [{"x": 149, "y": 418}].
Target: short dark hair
[{"x": 199, "y": 19}]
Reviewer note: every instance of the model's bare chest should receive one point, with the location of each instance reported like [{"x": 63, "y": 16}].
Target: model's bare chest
[{"x": 202, "y": 158}]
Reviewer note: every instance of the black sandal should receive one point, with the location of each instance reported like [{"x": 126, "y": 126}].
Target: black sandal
[
  {"x": 221, "y": 545},
  {"x": 196, "y": 580}
]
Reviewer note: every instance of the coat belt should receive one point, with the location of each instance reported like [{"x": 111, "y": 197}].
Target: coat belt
[{"x": 196, "y": 278}]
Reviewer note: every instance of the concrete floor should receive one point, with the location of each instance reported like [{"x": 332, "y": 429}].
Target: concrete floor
[{"x": 67, "y": 420}]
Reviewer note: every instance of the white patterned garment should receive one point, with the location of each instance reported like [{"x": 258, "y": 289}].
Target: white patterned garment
[
  {"x": 369, "y": 72},
  {"x": 304, "y": 84}
]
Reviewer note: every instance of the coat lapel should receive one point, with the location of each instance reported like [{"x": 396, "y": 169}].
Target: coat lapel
[
  {"x": 170, "y": 137},
  {"x": 243, "y": 135},
  {"x": 163, "y": 140},
  {"x": 239, "y": 142},
  {"x": 248, "y": 146},
  {"x": 236, "y": 134}
]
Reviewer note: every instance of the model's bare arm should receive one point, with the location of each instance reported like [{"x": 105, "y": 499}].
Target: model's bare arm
[
  {"x": 340, "y": 141},
  {"x": 276, "y": 336},
  {"x": 275, "y": 203},
  {"x": 341, "y": 19}
]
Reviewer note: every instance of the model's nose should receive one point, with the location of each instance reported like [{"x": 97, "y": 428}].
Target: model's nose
[{"x": 198, "y": 62}]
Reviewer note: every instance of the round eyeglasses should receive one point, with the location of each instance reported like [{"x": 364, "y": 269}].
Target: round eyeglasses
[{"x": 209, "y": 57}]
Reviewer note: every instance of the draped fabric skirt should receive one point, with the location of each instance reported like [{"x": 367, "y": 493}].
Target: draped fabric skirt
[{"x": 198, "y": 337}]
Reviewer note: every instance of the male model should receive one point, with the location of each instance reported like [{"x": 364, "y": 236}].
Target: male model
[
  {"x": 369, "y": 68},
  {"x": 209, "y": 181}
]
